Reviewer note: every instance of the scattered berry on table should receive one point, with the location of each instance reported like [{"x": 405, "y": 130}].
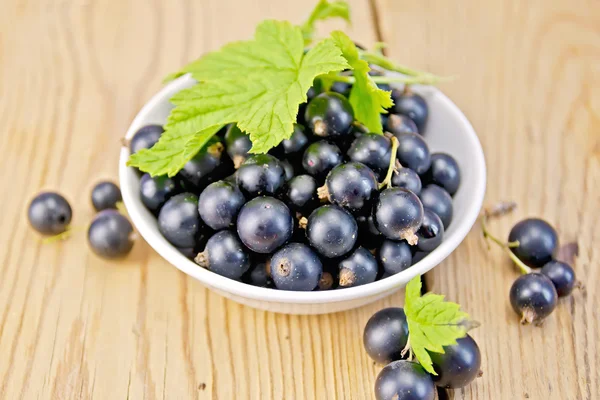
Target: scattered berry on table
[
  {"x": 533, "y": 297},
  {"x": 352, "y": 186},
  {"x": 179, "y": 221},
  {"x": 264, "y": 224},
  {"x": 398, "y": 214},
  {"x": 219, "y": 204},
  {"x": 332, "y": 231},
  {"x": 436, "y": 199},
  {"x": 225, "y": 255},
  {"x": 106, "y": 195},
  {"x": 562, "y": 276},
  {"x": 110, "y": 234},
  {"x": 155, "y": 191},
  {"x": 404, "y": 380},
  {"x": 49, "y": 213},
  {"x": 145, "y": 138},
  {"x": 296, "y": 267},
  {"x": 359, "y": 268},
  {"x": 386, "y": 334},
  {"x": 329, "y": 115},
  {"x": 458, "y": 365},
  {"x": 538, "y": 242},
  {"x": 408, "y": 179}
]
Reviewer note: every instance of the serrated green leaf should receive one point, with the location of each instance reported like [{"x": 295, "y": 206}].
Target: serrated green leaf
[
  {"x": 322, "y": 11},
  {"x": 258, "y": 84},
  {"x": 368, "y": 101},
  {"x": 432, "y": 323}
]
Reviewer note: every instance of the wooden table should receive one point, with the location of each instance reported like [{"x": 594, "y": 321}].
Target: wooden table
[{"x": 73, "y": 73}]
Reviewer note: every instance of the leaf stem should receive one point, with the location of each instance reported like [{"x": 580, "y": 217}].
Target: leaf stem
[
  {"x": 388, "y": 177},
  {"x": 424, "y": 80},
  {"x": 505, "y": 245}
]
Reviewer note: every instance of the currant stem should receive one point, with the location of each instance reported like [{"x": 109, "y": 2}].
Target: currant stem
[
  {"x": 422, "y": 79},
  {"x": 388, "y": 177},
  {"x": 505, "y": 245}
]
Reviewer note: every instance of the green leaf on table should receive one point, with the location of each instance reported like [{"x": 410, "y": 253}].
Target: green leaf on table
[
  {"x": 368, "y": 101},
  {"x": 258, "y": 84},
  {"x": 322, "y": 11},
  {"x": 432, "y": 323}
]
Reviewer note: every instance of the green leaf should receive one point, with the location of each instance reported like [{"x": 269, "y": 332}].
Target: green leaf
[
  {"x": 258, "y": 84},
  {"x": 432, "y": 323},
  {"x": 368, "y": 101},
  {"x": 322, "y": 11}
]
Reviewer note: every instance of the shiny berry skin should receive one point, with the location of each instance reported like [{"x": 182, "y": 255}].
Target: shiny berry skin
[
  {"x": 257, "y": 275},
  {"x": 562, "y": 276},
  {"x": 373, "y": 150},
  {"x": 219, "y": 204},
  {"x": 145, "y": 138},
  {"x": 264, "y": 224},
  {"x": 197, "y": 173},
  {"x": 399, "y": 124},
  {"x": 329, "y": 115},
  {"x": 538, "y": 242},
  {"x": 106, "y": 195},
  {"x": 413, "y": 106},
  {"x": 436, "y": 199},
  {"x": 386, "y": 334},
  {"x": 296, "y": 143},
  {"x": 238, "y": 144},
  {"x": 110, "y": 234},
  {"x": 49, "y": 213},
  {"x": 225, "y": 255},
  {"x": 332, "y": 231},
  {"x": 398, "y": 214},
  {"x": 155, "y": 191},
  {"x": 431, "y": 232},
  {"x": 351, "y": 185},
  {"x": 413, "y": 152},
  {"x": 458, "y": 365},
  {"x": 444, "y": 172},
  {"x": 533, "y": 297},
  {"x": 320, "y": 158},
  {"x": 404, "y": 380},
  {"x": 296, "y": 267},
  {"x": 288, "y": 170},
  {"x": 179, "y": 221},
  {"x": 301, "y": 194},
  {"x": 408, "y": 179},
  {"x": 359, "y": 268},
  {"x": 260, "y": 174},
  {"x": 395, "y": 256}
]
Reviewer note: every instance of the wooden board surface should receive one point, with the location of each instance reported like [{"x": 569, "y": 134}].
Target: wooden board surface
[{"x": 73, "y": 73}]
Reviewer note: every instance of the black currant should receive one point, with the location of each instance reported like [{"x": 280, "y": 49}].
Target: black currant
[
  {"x": 351, "y": 185},
  {"x": 145, "y": 137},
  {"x": 538, "y": 242},
  {"x": 238, "y": 145},
  {"x": 436, "y": 199},
  {"x": 197, "y": 173},
  {"x": 412, "y": 105},
  {"x": 404, "y": 380},
  {"x": 331, "y": 230},
  {"x": 225, "y": 255},
  {"x": 155, "y": 191},
  {"x": 386, "y": 334},
  {"x": 219, "y": 204},
  {"x": 320, "y": 158},
  {"x": 458, "y": 365},
  {"x": 296, "y": 143},
  {"x": 444, "y": 172},
  {"x": 399, "y": 124},
  {"x": 288, "y": 170},
  {"x": 260, "y": 174},
  {"x": 431, "y": 232},
  {"x": 398, "y": 214},
  {"x": 301, "y": 194},
  {"x": 373, "y": 150},
  {"x": 49, "y": 213},
  {"x": 179, "y": 221},
  {"x": 408, "y": 179},
  {"x": 359, "y": 268},
  {"x": 110, "y": 234},
  {"x": 533, "y": 297},
  {"x": 258, "y": 275},
  {"x": 296, "y": 267},
  {"x": 562, "y": 276},
  {"x": 413, "y": 152},
  {"x": 106, "y": 195},
  {"x": 395, "y": 256},
  {"x": 329, "y": 115},
  {"x": 264, "y": 224}
]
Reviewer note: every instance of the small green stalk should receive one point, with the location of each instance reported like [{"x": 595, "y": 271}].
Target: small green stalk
[
  {"x": 388, "y": 177},
  {"x": 424, "y": 79},
  {"x": 507, "y": 246}
]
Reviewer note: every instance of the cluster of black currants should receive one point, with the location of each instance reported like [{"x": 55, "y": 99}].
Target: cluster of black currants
[
  {"x": 110, "y": 234},
  {"x": 312, "y": 213},
  {"x": 385, "y": 339},
  {"x": 533, "y": 245}
]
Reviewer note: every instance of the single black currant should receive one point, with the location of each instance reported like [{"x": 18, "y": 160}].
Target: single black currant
[
  {"x": 444, "y": 172},
  {"x": 398, "y": 214},
  {"x": 458, "y": 365},
  {"x": 331, "y": 230},
  {"x": 395, "y": 256},
  {"x": 110, "y": 234},
  {"x": 179, "y": 220},
  {"x": 106, "y": 195},
  {"x": 296, "y": 267},
  {"x": 436, "y": 199},
  {"x": 201, "y": 170},
  {"x": 49, "y": 213},
  {"x": 413, "y": 152},
  {"x": 386, "y": 334},
  {"x": 412, "y": 105},
  {"x": 533, "y": 297},
  {"x": 399, "y": 124},
  {"x": 359, "y": 268},
  {"x": 418, "y": 256},
  {"x": 320, "y": 158},
  {"x": 562, "y": 276},
  {"x": 219, "y": 204},
  {"x": 225, "y": 255},
  {"x": 296, "y": 143},
  {"x": 261, "y": 174},
  {"x": 351, "y": 185},
  {"x": 238, "y": 144},
  {"x": 258, "y": 275},
  {"x": 329, "y": 115},
  {"x": 373, "y": 150},
  {"x": 155, "y": 191},
  {"x": 431, "y": 232},
  {"x": 301, "y": 194},
  {"x": 145, "y": 138},
  {"x": 404, "y": 380},
  {"x": 408, "y": 179},
  {"x": 264, "y": 224},
  {"x": 538, "y": 242}
]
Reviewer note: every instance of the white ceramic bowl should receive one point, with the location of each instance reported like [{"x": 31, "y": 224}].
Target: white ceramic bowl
[{"x": 448, "y": 130}]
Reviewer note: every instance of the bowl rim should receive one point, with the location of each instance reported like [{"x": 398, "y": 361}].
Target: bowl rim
[{"x": 138, "y": 215}]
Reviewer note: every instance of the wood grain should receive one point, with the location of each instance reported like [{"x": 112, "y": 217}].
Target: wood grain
[{"x": 73, "y": 73}]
